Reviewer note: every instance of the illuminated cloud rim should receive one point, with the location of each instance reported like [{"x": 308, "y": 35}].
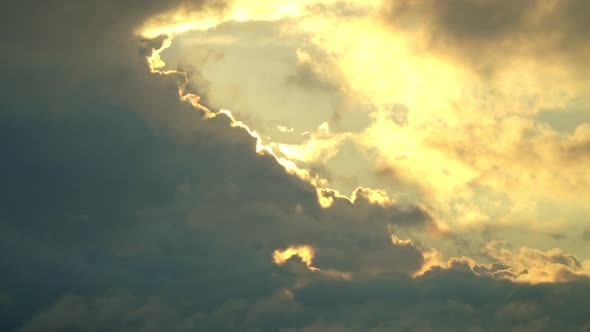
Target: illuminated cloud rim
[{"x": 523, "y": 266}]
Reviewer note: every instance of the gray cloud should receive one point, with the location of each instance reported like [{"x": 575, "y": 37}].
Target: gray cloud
[
  {"x": 486, "y": 33},
  {"x": 442, "y": 301},
  {"x": 121, "y": 209}
]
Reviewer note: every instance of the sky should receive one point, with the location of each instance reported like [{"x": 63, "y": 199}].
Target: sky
[{"x": 295, "y": 166}]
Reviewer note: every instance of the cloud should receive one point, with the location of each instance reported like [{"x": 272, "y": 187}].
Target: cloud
[
  {"x": 444, "y": 304},
  {"x": 485, "y": 32},
  {"x": 478, "y": 79},
  {"x": 535, "y": 266},
  {"x": 125, "y": 209}
]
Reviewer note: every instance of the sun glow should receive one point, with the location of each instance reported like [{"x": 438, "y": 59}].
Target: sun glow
[
  {"x": 320, "y": 144},
  {"x": 465, "y": 144}
]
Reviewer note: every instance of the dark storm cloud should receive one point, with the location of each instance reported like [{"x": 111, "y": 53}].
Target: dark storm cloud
[
  {"x": 442, "y": 301},
  {"x": 96, "y": 198},
  {"x": 121, "y": 209}
]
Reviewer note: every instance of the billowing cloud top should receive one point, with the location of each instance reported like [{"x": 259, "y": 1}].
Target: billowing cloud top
[{"x": 385, "y": 166}]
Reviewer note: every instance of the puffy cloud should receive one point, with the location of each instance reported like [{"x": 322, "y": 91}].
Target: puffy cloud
[
  {"x": 536, "y": 266},
  {"x": 525, "y": 265}
]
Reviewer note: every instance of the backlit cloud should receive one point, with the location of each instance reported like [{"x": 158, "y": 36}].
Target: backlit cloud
[{"x": 294, "y": 166}]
